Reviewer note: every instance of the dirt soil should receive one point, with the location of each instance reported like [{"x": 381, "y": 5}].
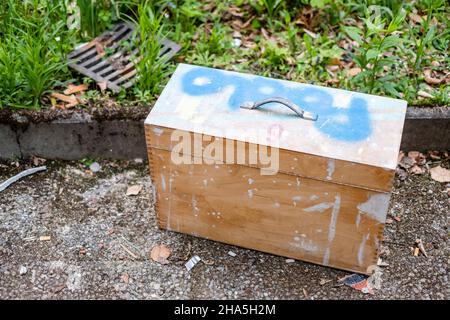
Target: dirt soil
[
  {"x": 68, "y": 233},
  {"x": 106, "y": 109}
]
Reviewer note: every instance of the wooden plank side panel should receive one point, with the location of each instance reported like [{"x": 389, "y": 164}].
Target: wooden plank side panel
[
  {"x": 290, "y": 162},
  {"x": 310, "y": 220}
]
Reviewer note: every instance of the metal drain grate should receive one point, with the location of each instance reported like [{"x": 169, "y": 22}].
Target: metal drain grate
[{"x": 107, "y": 59}]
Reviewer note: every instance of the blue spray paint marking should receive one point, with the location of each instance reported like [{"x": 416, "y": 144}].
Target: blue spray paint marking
[{"x": 348, "y": 124}]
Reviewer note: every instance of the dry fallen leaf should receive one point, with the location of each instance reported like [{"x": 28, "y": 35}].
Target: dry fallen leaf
[
  {"x": 75, "y": 89},
  {"x": 430, "y": 79},
  {"x": 125, "y": 278},
  {"x": 414, "y": 154},
  {"x": 324, "y": 281},
  {"x": 416, "y": 252},
  {"x": 425, "y": 94},
  {"x": 440, "y": 174},
  {"x": 134, "y": 190},
  {"x": 160, "y": 253},
  {"x": 415, "y": 18},
  {"x": 69, "y": 99},
  {"x": 102, "y": 85},
  {"x": 310, "y": 33},
  {"x": 305, "y": 293},
  {"x": 407, "y": 162},
  {"x": 416, "y": 169},
  {"x": 353, "y": 71},
  {"x": 99, "y": 48},
  {"x": 421, "y": 247}
]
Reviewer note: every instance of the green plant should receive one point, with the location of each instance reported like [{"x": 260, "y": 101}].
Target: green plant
[
  {"x": 376, "y": 41},
  {"x": 427, "y": 32},
  {"x": 152, "y": 69},
  {"x": 31, "y": 51},
  {"x": 97, "y": 15}
]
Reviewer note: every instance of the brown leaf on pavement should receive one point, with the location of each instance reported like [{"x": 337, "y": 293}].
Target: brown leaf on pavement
[
  {"x": 440, "y": 174},
  {"x": 134, "y": 190},
  {"x": 160, "y": 253}
]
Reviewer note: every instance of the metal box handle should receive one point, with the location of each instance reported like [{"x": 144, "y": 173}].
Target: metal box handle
[{"x": 299, "y": 111}]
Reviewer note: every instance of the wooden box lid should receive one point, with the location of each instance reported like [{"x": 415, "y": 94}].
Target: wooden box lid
[{"x": 351, "y": 126}]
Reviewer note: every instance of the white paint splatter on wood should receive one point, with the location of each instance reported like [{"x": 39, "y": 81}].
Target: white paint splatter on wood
[
  {"x": 163, "y": 182},
  {"x": 326, "y": 257},
  {"x": 158, "y": 131},
  {"x": 361, "y": 249},
  {"x": 321, "y": 207},
  {"x": 334, "y": 216},
  {"x": 376, "y": 207},
  {"x": 330, "y": 169}
]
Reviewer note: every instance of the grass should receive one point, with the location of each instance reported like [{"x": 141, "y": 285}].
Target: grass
[{"x": 393, "y": 48}]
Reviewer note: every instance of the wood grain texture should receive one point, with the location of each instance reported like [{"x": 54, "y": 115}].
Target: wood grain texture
[
  {"x": 322, "y": 222},
  {"x": 295, "y": 163}
]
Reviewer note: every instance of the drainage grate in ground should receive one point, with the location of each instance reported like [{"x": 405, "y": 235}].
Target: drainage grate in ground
[{"x": 110, "y": 58}]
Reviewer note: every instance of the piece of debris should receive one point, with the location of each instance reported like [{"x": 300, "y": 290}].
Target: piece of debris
[
  {"x": 354, "y": 71},
  {"x": 438, "y": 174},
  {"x": 160, "y": 253},
  {"x": 290, "y": 260},
  {"x": 357, "y": 282},
  {"x": 324, "y": 281},
  {"x": 416, "y": 252},
  {"x": 102, "y": 85},
  {"x": 381, "y": 263},
  {"x": 374, "y": 280},
  {"x": 192, "y": 262},
  {"x": 133, "y": 190},
  {"x": 138, "y": 160},
  {"x": 38, "y": 161},
  {"x": 208, "y": 262},
  {"x": 125, "y": 278},
  {"x": 402, "y": 174},
  {"x": 58, "y": 288},
  {"x": 407, "y": 162},
  {"x": 237, "y": 42},
  {"x": 45, "y": 238},
  {"x": 19, "y": 176},
  {"x": 305, "y": 293},
  {"x": 133, "y": 255},
  {"x": 22, "y": 270},
  {"x": 416, "y": 170},
  {"x": 75, "y": 89},
  {"x": 430, "y": 79},
  {"x": 82, "y": 251},
  {"x": 398, "y": 219},
  {"x": 421, "y": 247},
  {"x": 389, "y": 220},
  {"x": 95, "y": 167},
  {"x": 231, "y": 253},
  {"x": 425, "y": 94}
]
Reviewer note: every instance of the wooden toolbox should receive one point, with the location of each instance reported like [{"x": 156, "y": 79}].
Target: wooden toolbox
[{"x": 292, "y": 169}]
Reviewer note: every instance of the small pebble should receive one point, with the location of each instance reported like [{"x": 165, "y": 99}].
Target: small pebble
[
  {"x": 290, "y": 260},
  {"x": 22, "y": 270},
  {"x": 231, "y": 253},
  {"x": 237, "y": 42},
  {"x": 95, "y": 167}
]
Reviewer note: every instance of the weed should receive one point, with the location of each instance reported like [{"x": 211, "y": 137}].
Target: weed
[
  {"x": 152, "y": 69},
  {"x": 376, "y": 43}
]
